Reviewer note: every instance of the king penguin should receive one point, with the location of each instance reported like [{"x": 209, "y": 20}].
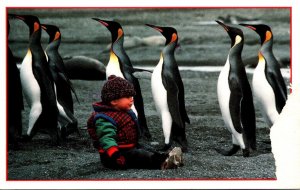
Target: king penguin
[
  {"x": 62, "y": 84},
  {"x": 15, "y": 103},
  {"x": 168, "y": 91},
  {"x": 119, "y": 64},
  {"x": 267, "y": 83},
  {"x": 235, "y": 97},
  {"x": 37, "y": 84}
]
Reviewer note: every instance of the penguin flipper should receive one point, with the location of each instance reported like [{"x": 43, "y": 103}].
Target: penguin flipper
[
  {"x": 182, "y": 106},
  {"x": 178, "y": 125},
  {"x": 229, "y": 152},
  {"x": 279, "y": 89},
  {"x": 173, "y": 103},
  {"x": 235, "y": 104}
]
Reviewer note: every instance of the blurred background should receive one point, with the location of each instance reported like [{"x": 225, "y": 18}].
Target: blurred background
[{"x": 202, "y": 41}]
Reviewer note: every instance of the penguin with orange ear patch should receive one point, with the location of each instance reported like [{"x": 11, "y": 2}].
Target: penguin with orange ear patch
[
  {"x": 235, "y": 97},
  {"x": 168, "y": 91},
  {"x": 268, "y": 84},
  {"x": 62, "y": 84},
  {"x": 120, "y": 65},
  {"x": 37, "y": 84}
]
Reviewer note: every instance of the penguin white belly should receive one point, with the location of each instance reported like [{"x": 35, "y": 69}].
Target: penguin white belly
[
  {"x": 113, "y": 68},
  {"x": 223, "y": 98},
  {"x": 160, "y": 98},
  {"x": 31, "y": 89},
  {"x": 264, "y": 94}
]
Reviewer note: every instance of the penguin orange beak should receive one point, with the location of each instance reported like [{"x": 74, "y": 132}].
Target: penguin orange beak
[
  {"x": 101, "y": 21},
  {"x": 248, "y": 26},
  {"x": 44, "y": 27},
  {"x": 155, "y": 27}
]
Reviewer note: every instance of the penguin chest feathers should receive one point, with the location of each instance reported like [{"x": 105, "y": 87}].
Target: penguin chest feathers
[
  {"x": 158, "y": 90},
  {"x": 224, "y": 92},
  {"x": 29, "y": 83},
  {"x": 262, "y": 89},
  {"x": 113, "y": 67}
]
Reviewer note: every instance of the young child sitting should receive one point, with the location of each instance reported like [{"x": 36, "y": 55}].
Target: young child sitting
[{"x": 113, "y": 126}]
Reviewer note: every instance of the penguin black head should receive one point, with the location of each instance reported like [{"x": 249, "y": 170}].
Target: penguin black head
[
  {"x": 32, "y": 22},
  {"x": 115, "y": 28},
  {"x": 53, "y": 32},
  {"x": 168, "y": 32},
  {"x": 232, "y": 32},
  {"x": 264, "y": 31}
]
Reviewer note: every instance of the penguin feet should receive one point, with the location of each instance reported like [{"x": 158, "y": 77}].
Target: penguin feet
[
  {"x": 184, "y": 148},
  {"x": 68, "y": 129},
  {"x": 165, "y": 147},
  {"x": 246, "y": 153},
  {"x": 230, "y": 152},
  {"x": 182, "y": 142},
  {"x": 25, "y": 138}
]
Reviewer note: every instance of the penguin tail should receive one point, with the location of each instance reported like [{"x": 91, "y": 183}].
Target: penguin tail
[{"x": 230, "y": 152}]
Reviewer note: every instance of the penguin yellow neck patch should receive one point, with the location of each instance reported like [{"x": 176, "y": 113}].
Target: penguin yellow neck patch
[
  {"x": 238, "y": 39},
  {"x": 113, "y": 57},
  {"x": 260, "y": 58}
]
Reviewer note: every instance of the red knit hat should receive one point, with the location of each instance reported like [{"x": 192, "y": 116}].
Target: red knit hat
[{"x": 115, "y": 88}]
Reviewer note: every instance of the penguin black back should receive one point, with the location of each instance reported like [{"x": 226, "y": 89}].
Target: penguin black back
[
  {"x": 57, "y": 68},
  {"x": 272, "y": 67},
  {"x": 127, "y": 70},
  {"x": 235, "y": 96},
  {"x": 173, "y": 96},
  {"x": 46, "y": 120}
]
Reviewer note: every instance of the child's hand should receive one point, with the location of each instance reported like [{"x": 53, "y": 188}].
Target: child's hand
[
  {"x": 119, "y": 160},
  {"x": 117, "y": 157}
]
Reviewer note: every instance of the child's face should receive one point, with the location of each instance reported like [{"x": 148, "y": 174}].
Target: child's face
[{"x": 123, "y": 104}]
